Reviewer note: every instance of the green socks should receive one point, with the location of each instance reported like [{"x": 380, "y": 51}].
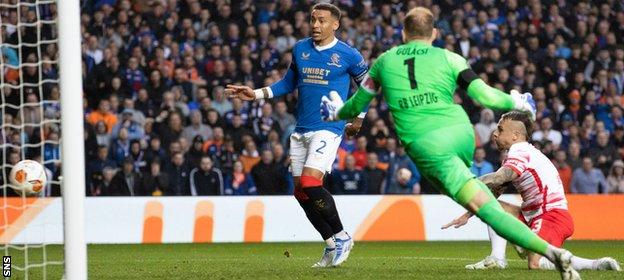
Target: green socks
[
  {"x": 503, "y": 223},
  {"x": 510, "y": 228}
]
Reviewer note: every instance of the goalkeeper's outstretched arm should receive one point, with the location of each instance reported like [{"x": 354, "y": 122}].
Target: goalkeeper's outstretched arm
[
  {"x": 486, "y": 95},
  {"x": 491, "y": 97},
  {"x": 481, "y": 92},
  {"x": 360, "y": 100}
]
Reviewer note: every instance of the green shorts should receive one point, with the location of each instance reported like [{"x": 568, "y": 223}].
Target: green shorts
[{"x": 444, "y": 157}]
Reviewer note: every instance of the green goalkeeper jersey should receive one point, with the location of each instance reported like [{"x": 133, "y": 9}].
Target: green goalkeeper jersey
[{"x": 418, "y": 82}]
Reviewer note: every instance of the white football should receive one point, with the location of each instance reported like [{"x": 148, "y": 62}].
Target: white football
[
  {"x": 28, "y": 177},
  {"x": 404, "y": 175}
]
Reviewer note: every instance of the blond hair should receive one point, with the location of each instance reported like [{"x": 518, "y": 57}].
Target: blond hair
[{"x": 418, "y": 23}]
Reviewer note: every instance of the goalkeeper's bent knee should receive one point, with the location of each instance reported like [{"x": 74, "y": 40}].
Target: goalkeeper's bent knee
[{"x": 470, "y": 190}]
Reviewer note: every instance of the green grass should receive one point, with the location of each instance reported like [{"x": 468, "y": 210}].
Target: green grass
[{"x": 369, "y": 260}]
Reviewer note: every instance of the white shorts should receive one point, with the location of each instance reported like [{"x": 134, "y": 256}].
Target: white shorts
[{"x": 314, "y": 149}]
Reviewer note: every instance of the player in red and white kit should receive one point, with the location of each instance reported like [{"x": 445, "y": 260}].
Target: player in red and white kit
[{"x": 544, "y": 207}]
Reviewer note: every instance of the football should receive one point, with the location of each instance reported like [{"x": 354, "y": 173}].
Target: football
[
  {"x": 404, "y": 175},
  {"x": 28, "y": 177}
]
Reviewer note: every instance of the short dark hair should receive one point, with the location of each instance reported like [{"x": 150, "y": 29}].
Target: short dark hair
[
  {"x": 418, "y": 22},
  {"x": 335, "y": 11},
  {"x": 522, "y": 117}
]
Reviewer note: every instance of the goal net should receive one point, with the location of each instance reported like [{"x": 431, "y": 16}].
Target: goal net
[{"x": 34, "y": 85}]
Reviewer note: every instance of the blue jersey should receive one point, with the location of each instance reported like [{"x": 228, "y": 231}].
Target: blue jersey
[{"x": 314, "y": 72}]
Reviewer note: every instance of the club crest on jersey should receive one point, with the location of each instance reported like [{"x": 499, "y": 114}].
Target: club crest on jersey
[
  {"x": 305, "y": 55},
  {"x": 334, "y": 60}
]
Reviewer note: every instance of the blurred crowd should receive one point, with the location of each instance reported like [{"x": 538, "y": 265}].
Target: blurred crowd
[{"x": 158, "y": 123}]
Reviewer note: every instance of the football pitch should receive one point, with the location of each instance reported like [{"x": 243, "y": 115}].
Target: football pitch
[{"x": 368, "y": 260}]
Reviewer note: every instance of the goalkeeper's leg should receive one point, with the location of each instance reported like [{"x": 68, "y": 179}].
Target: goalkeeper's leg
[
  {"x": 443, "y": 157},
  {"x": 478, "y": 199}
]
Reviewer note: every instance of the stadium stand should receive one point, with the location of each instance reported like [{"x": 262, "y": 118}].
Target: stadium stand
[{"x": 154, "y": 73}]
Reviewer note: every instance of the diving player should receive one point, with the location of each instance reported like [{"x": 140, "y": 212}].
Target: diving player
[
  {"x": 418, "y": 82},
  {"x": 544, "y": 206}
]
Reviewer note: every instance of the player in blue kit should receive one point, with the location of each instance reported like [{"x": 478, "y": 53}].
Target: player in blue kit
[{"x": 320, "y": 64}]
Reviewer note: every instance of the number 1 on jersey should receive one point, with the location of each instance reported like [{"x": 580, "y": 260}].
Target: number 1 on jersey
[{"x": 410, "y": 72}]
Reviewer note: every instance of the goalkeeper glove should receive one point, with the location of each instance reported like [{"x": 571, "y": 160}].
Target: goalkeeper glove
[
  {"x": 330, "y": 106},
  {"x": 524, "y": 102}
]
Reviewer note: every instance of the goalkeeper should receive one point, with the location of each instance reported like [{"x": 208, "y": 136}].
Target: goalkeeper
[{"x": 418, "y": 82}]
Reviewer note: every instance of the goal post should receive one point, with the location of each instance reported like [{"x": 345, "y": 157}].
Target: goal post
[
  {"x": 72, "y": 143},
  {"x": 41, "y": 119}
]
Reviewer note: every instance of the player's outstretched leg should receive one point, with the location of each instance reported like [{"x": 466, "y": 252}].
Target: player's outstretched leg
[
  {"x": 477, "y": 198},
  {"x": 320, "y": 225},
  {"x": 488, "y": 263},
  {"x": 606, "y": 263},
  {"x": 323, "y": 203},
  {"x": 578, "y": 263}
]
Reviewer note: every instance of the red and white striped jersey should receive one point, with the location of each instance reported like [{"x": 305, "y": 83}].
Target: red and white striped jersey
[{"x": 538, "y": 181}]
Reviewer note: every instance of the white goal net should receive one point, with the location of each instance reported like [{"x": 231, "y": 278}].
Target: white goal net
[{"x": 31, "y": 96}]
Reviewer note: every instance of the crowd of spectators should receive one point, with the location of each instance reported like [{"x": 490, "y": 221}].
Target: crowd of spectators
[{"x": 158, "y": 123}]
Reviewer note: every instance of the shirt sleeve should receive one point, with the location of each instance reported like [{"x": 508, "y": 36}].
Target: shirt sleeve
[
  {"x": 359, "y": 101},
  {"x": 228, "y": 185},
  {"x": 476, "y": 88},
  {"x": 251, "y": 186},
  {"x": 457, "y": 63},
  {"x": 358, "y": 69},
  {"x": 358, "y": 66},
  {"x": 364, "y": 95},
  {"x": 516, "y": 161},
  {"x": 286, "y": 84},
  {"x": 415, "y": 173}
]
